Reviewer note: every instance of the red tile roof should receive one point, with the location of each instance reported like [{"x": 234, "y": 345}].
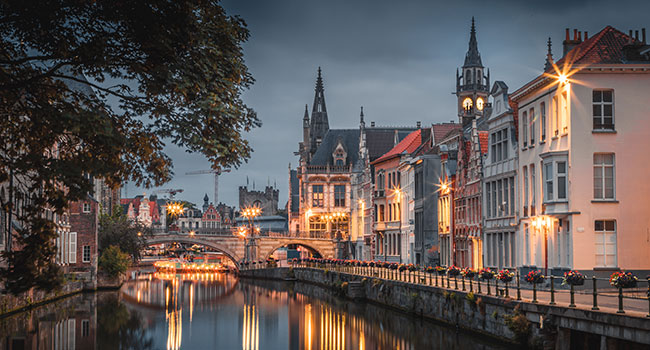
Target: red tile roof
[
  {"x": 604, "y": 47},
  {"x": 409, "y": 144},
  {"x": 443, "y": 129},
  {"x": 483, "y": 140}
]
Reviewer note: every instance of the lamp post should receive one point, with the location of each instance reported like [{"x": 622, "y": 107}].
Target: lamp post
[
  {"x": 250, "y": 240},
  {"x": 543, "y": 223},
  {"x": 332, "y": 218}
]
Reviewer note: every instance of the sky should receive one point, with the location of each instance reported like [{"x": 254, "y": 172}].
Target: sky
[{"x": 397, "y": 59}]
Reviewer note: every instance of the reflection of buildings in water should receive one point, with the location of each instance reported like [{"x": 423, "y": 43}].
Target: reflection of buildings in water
[
  {"x": 49, "y": 328},
  {"x": 314, "y": 324}
]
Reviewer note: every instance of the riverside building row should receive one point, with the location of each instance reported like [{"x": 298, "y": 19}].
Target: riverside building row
[{"x": 551, "y": 176}]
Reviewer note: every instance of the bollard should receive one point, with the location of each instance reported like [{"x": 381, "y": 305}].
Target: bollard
[
  {"x": 534, "y": 293},
  {"x": 447, "y": 281},
  {"x": 595, "y": 307},
  {"x": 553, "y": 292},
  {"x": 455, "y": 282},
  {"x": 573, "y": 302},
  {"x": 488, "y": 287},
  {"x": 518, "y": 287},
  {"x": 436, "y": 279},
  {"x": 620, "y": 301},
  {"x": 478, "y": 283},
  {"x": 507, "y": 294},
  {"x": 470, "y": 285},
  {"x": 463, "y": 279}
]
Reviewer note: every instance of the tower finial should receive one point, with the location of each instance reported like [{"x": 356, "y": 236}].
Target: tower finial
[
  {"x": 306, "y": 116},
  {"x": 473, "y": 57},
  {"x": 549, "y": 56},
  {"x": 362, "y": 123},
  {"x": 473, "y": 26}
]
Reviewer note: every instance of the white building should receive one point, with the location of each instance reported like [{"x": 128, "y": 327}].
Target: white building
[
  {"x": 500, "y": 184},
  {"x": 584, "y": 137}
]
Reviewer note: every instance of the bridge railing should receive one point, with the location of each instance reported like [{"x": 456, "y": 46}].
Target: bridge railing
[
  {"x": 231, "y": 232},
  {"x": 299, "y": 234}
]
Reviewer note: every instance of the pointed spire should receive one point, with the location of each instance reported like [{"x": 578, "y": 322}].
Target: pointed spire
[
  {"x": 306, "y": 116},
  {"x": 319, "y": 97},
  {"x": 549, "y": 56},
  {"x": 319, "y": 123},
  {"x": 362, "y": 123},
  {"x": 473, "y": 57}
]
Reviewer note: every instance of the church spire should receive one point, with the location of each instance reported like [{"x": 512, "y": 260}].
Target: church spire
[
  {"x": 362, "y": 123},
  {"x": 319, "y": 122},
  {"x": 549, "y": 56},
  {"x": 473, "y": 57}
]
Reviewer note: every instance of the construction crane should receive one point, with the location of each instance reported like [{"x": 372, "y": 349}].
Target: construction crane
[
  {"x": 171, "y": 191},
  {"x": 216, "y": 180}
]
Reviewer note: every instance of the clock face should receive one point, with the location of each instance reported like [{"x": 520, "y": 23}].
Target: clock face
[
  {"x": 467, "y": 103},
  {"x": 479, "y": 103}
]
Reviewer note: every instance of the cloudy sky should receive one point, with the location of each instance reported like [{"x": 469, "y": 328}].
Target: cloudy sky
[{"x": 396, "y": 59}]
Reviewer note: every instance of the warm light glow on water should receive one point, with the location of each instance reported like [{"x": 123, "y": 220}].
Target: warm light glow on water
[{"x": 218, "y": 311}]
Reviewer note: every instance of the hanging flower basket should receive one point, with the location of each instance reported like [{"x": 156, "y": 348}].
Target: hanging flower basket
[
  {"x": 535, "y": 277},
  {"x": 386, "y": 265},
  {"x": 505, "y": 276},
  {"x": 623, "y": 279},
  {"x": 573, "y": 278},
  {"x": 430, "y": 269},
  {"x": 453, "y": 271},
  {"x": 411, "y": 267},
  {"x": 486, "y": 274},
  {"x": 402, "y": 267},
  {"x": 364, "y": 264},
  {"x": 468, "y": 272},
  {"x": 441, "y": 270}
]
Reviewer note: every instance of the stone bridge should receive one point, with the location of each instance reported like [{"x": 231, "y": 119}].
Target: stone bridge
[{"x": 260, "y": 247}]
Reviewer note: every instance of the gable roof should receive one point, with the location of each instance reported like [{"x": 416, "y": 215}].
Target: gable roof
[
  {"x": 441, "y": 130},
  {"x": 483, "y": 141},
  {"x": 408, "y": 145},
  {"x": 381, "y": 140},
  {"x": 348, "y": 137}
]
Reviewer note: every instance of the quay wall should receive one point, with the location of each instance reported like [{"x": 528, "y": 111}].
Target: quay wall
[{"x": 538, "y": 325}]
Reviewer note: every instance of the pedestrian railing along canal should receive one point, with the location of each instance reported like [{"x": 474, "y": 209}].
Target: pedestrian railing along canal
[{"x": 623, "y": 290}]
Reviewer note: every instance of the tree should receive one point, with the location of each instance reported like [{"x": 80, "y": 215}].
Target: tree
[
  {"x": 98, "y": 88},
  {"x": 118, "y": 230},
  {"x": 114, "y": 261}
]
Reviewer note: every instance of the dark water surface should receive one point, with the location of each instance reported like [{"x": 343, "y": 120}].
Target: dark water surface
[{"x": 218, "y": 311}]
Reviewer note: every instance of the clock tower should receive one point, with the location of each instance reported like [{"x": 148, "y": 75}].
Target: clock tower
[{"x": 472, "y": 85}]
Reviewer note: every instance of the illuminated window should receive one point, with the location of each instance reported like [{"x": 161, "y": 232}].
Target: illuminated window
[
  {"x": 603, "y": 109},
  {"x": 316, "y": 224},
  {"x": 317, "y": 195},
  {"x": 565, "y": 112},
  {"x": 556, "y": 117},
  {"x": 605, "y": 231},
  {"x": 604, "y": 176},
  {"x": 525, "y": 191}
]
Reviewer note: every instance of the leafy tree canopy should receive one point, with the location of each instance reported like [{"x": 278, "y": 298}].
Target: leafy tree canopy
[
  {"x": 98, "y": 87},
  {"x": 118, "y": 230},
  {"x": 114, "y": 261}
]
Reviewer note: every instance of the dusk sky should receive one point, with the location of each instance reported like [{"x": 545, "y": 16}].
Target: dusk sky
[{"x": 396, "y": 59}]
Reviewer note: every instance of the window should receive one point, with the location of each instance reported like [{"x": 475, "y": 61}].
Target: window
[
  {"x": 316, "y": 224},
  {"x": 604, "y": 176},
  {"x": 317, "y": 196},
  {"x": 339, "y": 162},
  {"x": 605, "y": 231},
  {"x": 525, "y": 191},
  {"x": 603, "y": 106},
  {"x": 339, "y": 195},
  {"x": 524, "y": 126},
  {"x": 86, "y": 254},
  {"x": 531, "y": 120},
  {"x": 73, "y": 248},
  {"x": 499, "y": 145},
  {"x": 533, "y": 185},
  {"x": 499, "y": 198},
  {"x": 561, "y": 180},
  {"x": 381, "y": 212},
  {"x": 488, "y": 209},
  {"x": 542, "y": 128},
  {"x": 556, "y": 117},
  {"x": 565, "y": 112},
  {"x": 86, "y": 208},
  {"x": 85, "y": 328},
  {"x": 548, "y": 181},
  {"x": 512, "y": 195}
]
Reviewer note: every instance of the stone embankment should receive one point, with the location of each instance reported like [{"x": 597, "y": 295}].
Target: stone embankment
[{"x": 536, "y": 324}]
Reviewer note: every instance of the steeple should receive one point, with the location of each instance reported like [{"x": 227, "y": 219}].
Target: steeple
[
  {"x": 549, "y": 57},
  {"x": 362, "y": 123},
  {"x": 473, "y": 57},
  {"x": 319, "y": 123}
]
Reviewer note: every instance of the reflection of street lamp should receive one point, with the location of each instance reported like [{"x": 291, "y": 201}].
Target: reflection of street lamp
[
  {"x": 543, "y": 222},
  {"x": 398, "y": 192}
]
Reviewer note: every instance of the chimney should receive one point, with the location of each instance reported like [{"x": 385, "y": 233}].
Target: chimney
[
  {"x": 418, "y": 124},
  {"x": 636, "y": 35},
  {"x": 372, "y": 124},
  {"x": 586, "y": 35},
  {"x": 643, "y": 35},
  {"x": 568, "y": 44}
]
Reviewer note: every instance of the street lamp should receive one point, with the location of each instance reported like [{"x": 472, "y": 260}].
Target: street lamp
[
  {"x": 544, "y": 222},
  {"x": 250, "y": 213}
]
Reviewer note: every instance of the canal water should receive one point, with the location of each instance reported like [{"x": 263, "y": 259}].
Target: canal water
[{"x": 219, "y": 311}]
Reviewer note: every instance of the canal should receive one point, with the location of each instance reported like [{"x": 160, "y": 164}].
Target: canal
[{"x": 219, "y": 311}]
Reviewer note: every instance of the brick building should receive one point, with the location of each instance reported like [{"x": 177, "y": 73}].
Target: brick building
[{"x": 84, "y": 220}]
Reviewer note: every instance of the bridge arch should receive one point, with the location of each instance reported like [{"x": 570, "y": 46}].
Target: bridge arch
[
  {"x": 310, "y": 247},
  {"x": 180, "y": 239}
]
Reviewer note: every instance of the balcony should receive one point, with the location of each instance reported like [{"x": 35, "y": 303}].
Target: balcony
[{"x": 328, "y": 169}]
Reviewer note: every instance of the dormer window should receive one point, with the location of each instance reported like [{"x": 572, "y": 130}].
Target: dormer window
[{"x": 339, "y": 155}]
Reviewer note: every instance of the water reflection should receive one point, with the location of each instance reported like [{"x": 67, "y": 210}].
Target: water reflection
[{"x": 199, "y": 311}]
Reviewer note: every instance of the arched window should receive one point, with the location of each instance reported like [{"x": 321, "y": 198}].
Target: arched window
[
  {"x": 339, "y": 162},
  {"x": 468, "y": 77}
]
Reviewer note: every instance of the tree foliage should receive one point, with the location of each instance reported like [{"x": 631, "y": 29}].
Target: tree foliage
[
  {"x": 118, "y": 230},
  {"x": 114, "y": 261},
  {"x": 98, "y": 88}
]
